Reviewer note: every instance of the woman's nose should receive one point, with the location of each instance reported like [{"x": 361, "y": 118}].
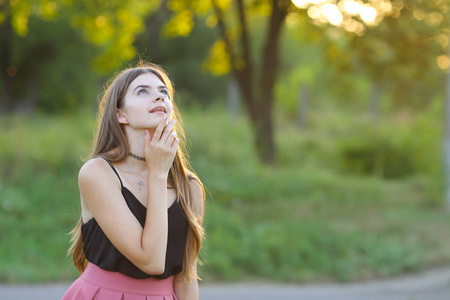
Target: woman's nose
[{"x": 159, "y": 97}]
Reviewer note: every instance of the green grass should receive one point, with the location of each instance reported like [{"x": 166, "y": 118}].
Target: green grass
[{"x": 308, "y": 219}]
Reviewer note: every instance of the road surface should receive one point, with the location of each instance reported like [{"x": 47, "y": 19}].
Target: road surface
[{"x": 430, "y": 285}]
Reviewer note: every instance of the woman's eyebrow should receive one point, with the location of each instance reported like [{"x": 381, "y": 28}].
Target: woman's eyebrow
[
  {"x": 141, "y": 86},
  {"x": 147, "y": 87}
]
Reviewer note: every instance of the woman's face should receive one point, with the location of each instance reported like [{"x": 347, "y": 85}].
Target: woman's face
[{"x": 144, "y": 94}]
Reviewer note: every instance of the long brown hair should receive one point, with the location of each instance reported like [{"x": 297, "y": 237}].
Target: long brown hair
[{"x": 112, "y": 144}]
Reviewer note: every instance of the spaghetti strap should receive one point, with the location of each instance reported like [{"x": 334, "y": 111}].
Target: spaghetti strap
[{"x": 115, "y": 171}]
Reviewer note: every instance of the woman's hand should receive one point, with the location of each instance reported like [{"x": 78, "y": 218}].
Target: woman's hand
[{"x": 160, "y": 149}]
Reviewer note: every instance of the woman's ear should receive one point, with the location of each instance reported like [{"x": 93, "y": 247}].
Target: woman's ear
[{"x": 121, "y": 118}]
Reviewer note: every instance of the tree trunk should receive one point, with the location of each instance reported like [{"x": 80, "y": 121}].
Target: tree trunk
[
  {"x": 447, "y": 142},
  {"x": 257, "y": 96},
  {"x": 302, "y": 108},
  {"x": 263, "y": 133},
  {"x": 263, "y": 125},
  {"x": 375, "y": 102},
  {"x": 31, "y": 98},
  {"x": 7, "y": 95},
  {"x": 233, "y": 99}
]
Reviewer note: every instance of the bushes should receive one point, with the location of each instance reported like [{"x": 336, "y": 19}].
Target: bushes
[
  {"x": 39, "y": 144},
  {"x": 303, "y": 250},
  {"x": 372, "y": 151},
  {"x": 393, "y": 151}
]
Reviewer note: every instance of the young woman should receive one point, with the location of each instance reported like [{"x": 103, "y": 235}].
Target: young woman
[{"x": 140, "y": 230}]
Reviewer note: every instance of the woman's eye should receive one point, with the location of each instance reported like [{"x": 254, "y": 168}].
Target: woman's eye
[
  {"x": 164, "y": 92},
  {"x": 142, "y": 92}
]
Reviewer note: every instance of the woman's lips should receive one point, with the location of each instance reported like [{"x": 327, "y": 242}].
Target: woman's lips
[{"x": 160, "y": 108}]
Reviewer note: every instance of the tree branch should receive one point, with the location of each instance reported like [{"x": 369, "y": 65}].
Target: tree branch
[
  {"x": 270, "y": 53},
  {"x": 223, "y": 32},
  {"x": 244, "y": 35},
  {"x": 242, "y": 75},
  {"x": 245, "y": 73}
]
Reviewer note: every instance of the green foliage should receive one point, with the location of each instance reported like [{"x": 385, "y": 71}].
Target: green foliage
[
  {"x": 336, "y": 227},
  {"x": 65, "y": 81},
  {"x": 58, "y": 40},
  {"x": 219, "y": 61},
  {"x": 182, "y": 58},
  {"x": 383, "y": 154},
  {"x": 180, "y": 24},
  {"x": 341, "y": 256},
  {"x": 35, "y": 222},
  {"x": 110, "y": 25},
  {"x": 51, "y": 145},
  {"x": 52, "y": 68},
  {"x": 398, "y": 56},
  {"x": 409, "y": 149},
  {"x": 301, "y": 65}
]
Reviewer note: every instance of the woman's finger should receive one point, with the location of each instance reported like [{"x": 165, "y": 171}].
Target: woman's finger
[
  {"x": 170, "y": 138},
  {"x": 167, "y": 131},
  {"x": 159, "y": 129},
  {"x": 174, "y": 146}
]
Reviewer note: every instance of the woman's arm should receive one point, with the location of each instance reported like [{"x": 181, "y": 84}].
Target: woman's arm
[
  {"x": 100, "y": 190},
  {"x": 184, "y": 289}
]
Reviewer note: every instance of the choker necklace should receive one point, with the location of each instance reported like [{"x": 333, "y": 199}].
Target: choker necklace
[{"x": 137, "y": 157}]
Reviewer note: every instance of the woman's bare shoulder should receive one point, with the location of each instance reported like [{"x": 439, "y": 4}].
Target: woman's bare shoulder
[
  {"x": 191, "y": 176},
  {"x": 194, "y": 183},
  {"x": 96, "y": 164},
  {"x": 94, "y": 170}
]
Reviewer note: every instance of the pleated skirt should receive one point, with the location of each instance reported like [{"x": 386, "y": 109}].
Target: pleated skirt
[{"x": 98, "y": 284}]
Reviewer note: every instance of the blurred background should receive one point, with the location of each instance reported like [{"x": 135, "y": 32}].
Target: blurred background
[{"x": 316, "y": 126}]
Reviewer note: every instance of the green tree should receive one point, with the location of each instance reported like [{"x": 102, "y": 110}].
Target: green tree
[
  {"x": 256, "y": 74},
  {"x": 181, "y": 57},
  {"x": 37, "y": 34},
  {"x": 233, "y": 52},
  {"x": 400, "y": 55}
]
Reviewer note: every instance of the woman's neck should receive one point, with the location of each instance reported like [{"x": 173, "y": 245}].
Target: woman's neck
[{"x": 137, "y": 147}]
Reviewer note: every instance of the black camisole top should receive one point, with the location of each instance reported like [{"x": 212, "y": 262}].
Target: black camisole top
[{"x": 101, "y": 252}]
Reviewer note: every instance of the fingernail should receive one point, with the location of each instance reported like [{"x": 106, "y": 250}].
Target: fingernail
[{"x": 165, "y": 117}]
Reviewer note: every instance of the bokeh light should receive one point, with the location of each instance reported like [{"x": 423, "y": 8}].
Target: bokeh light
[
  {"x": 301, "y": 3},
  {"x": 314, "y": 12},
  {"x": 443, "y": 62},
  {"x": 352, "y": 7},
  {"x": 338, "y": 13},
  {"x": 332, "y": 13},
  {"x": 368, "y": 13}
]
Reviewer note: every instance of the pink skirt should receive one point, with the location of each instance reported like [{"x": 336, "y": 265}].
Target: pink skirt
[{"x": 98, "y": 284}]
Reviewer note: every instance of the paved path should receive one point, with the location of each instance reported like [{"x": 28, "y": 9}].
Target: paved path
[{"x": 431, "y": 285}]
